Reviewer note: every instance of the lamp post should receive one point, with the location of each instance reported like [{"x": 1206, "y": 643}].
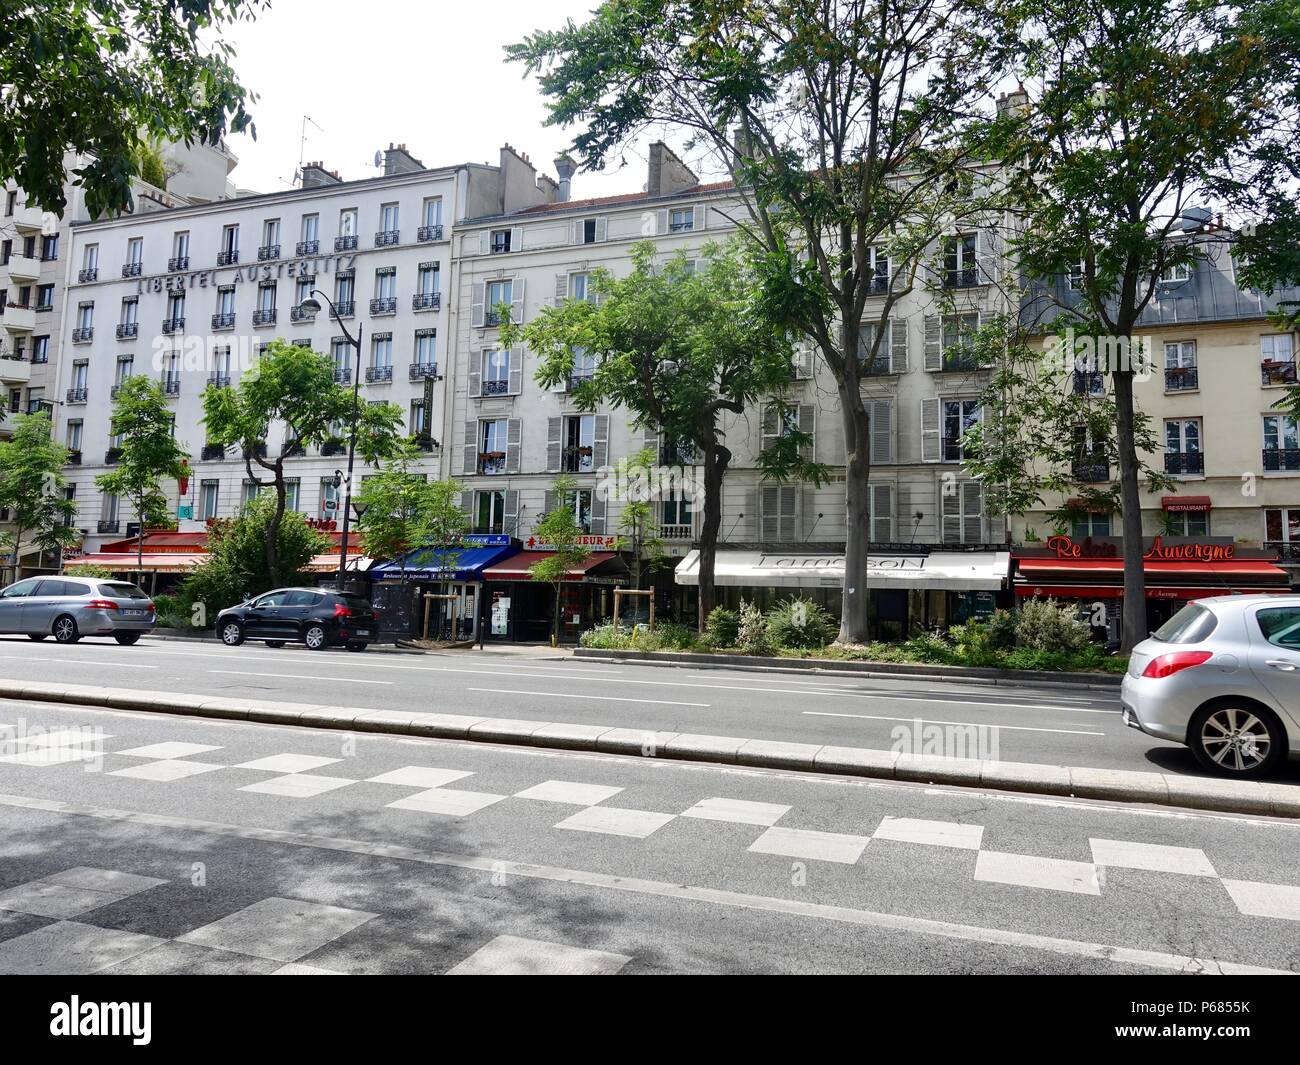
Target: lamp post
[{"x": 313, "y": 305}]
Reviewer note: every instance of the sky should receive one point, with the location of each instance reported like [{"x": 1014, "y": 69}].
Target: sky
[{"x": 430, "y": 75}]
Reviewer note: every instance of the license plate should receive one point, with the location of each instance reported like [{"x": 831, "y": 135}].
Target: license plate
[
  {"x": 133, "y": 613},
  {"x": 363, "y": 632}
]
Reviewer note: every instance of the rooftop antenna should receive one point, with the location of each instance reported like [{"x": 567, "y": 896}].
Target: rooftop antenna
[{"x": 302, "y": 146}]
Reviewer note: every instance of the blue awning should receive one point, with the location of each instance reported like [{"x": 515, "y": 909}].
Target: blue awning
[{"x": 444, "y": 563}]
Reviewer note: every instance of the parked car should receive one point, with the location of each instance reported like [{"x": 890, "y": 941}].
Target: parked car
[
  {"x": 317, "y": 618},
  {"x": 69, "y": 608},
  {"x": 1223, "y": 677}
]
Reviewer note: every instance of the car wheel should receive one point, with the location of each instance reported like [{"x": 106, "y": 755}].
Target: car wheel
[
  {"x": 274, "y": 643},
  {"x": 1237, "y": 738},
  {"x": 314, "y": 637},
  {"x": 65, "y": 629},
  {"x": 232, "y": 633},
  {"x": 126, "y": 639},
  {"x": 356, "y": 647},
  {"x": 37, "y": 635}
]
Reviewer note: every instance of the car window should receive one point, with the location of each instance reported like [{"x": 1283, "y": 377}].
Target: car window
[
  {"x": 118, "y": 590},
  {"x": 52, "y": 587},
  {"x": 1280, "y": 625},
  {"x": 75, "y": 588},
  {"x": 272, "y": 599},
  {"x": 355, "y": 602},
  {"x": 1192, "y": 624},
  {"x": 303, "y": 599},
  {"x": 22, "y": 588}
]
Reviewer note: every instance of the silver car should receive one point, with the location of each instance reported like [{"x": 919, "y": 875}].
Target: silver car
[
  {"x": 1222, "y": 676},
  {"x": 69, "y": 608}
]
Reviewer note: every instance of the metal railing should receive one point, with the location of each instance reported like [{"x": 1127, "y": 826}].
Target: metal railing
[
  {"x": 348, "y": 243},
  {"x": 83, "y": 336},
  {"x": 383, "y": 305},
  {"x": 1091, "y": 471},
  {"x": 1184, "y": 462},
  {"x": 426, "y": 301},
  {"x": 426, "y": 233},
  {"x": 496, "y": 388},
  {"x": 345, "y": 308},
  {"x": 131, "y": 269},
  {"x": 228, "y": 258},
  {"x": 387, "y": 237},
  {"x": 1278, "y": 459},
  {"x": 77, "y": 395},
  {"x": 128, "y": 330},
  {"x": 1180, "y": 378},
  {"x": 301, "y": 314},
  {"x": 1277, "y": 372},
  {"x": 211, "y": 452},
  {"x": 268, "y": 251},
  {"x": 173, "y": 325},
  {"x": 178, "y": 262},
  {"x": 87, "y": 275},
  {"x": 106, "y": 526},
  {"x": 491, "y": 462},
  {"x": 307, "y": 247},
  {"x": 225, "y": 320},
  {"x": 379, "y": 374},
  {"x": 1089, "y": 382},
  {"x": 419, "y": 371}
]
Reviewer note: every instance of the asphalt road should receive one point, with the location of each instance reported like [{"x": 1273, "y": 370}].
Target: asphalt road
[
  {"x": 140, "y": 843},
  {"x": 1047, "y": 725}
]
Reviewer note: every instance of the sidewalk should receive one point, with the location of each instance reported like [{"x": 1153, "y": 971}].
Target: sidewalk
[{"x": 512, "y": 650}]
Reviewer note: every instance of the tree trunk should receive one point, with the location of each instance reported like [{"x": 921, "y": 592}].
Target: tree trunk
[
  {"x": 18, "y": 542},
  {"x": 273, "y": 530},
  {"x": 1134, "y": 618},
  {"x": 555, "y": 630},
  {"x": 716, "y": 460},
  {"x": 854, "y": 603},
  {"x": 139, "y": 540}
]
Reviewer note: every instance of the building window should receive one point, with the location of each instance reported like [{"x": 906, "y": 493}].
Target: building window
[
  {"x": 960, "y": 261},
  {"x": 209, "y": 494},
  {"x": 957, "y": 415},
  {"x": 416, "y": 424},
  {"x": 495, "y": 294},
  {"x": 1187, "y": 523},
  {"x": 344, "y": 287},
  {"x": 780, "y": 512},
  {"x": 963, "y": 513},
  {"x": 1281, "y": 443},
  {"x": 681, "y": 219},
  {"x": 1074, "y": 278},
  {"x": 1090, "y": 525},
  {"x": 291, "y": 493},
  {"x": 496, "y": 373},
  {"x": 329, "y": 498},
  {"x": 1178, "y": 272},
  {"x": 492, "y": 446},
  {"x": 499, "y": 241},
  {"x": 879, "y": 270},
  {"x": 309, "y": 233},
  {"x": 85, "y": 316},
  {"x": 381, "y": 350},
  {"x": 385, "y": 282},
  {"x": 580, "y": 287},
  {"x": 44, "y": 297},
  {"x": 676, "y": 510},
  {"x": 430, "y": 274},
  {"x": 426, "y": 347},
  {"x": 589, "y": 231},
  {"x": 579, "y": 501},
  {"x": 1277, "y": 359},
  {"x": 1183, "y": 446},
  {"x": 41, "y": 349},
  {"x": 135, "y": 251},
  {"x": 50, "y": 248},
  {"x": 1282, "y": 525},
  {"x": 579, "y": 442},
  {"x": 958, "y": 342},
  {"x": 74, "y": 434},
  {"x": 249, "y": 493},
  {"x": 490, "y": 512}
]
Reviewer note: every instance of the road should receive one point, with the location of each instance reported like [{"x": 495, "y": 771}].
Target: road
[
  {"x": 1048, "y": 725},
  {"x": 141, "y": 843}
]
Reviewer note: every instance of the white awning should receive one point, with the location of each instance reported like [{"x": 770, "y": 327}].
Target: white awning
[{"x": 956, "y": 571}]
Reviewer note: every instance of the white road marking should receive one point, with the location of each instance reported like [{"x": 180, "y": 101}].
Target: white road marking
[
  {"x": 77, "y": 661},
  {"x": 1154, "y": 857},
  {"x": 299, "y": 676},
  {"x": 597, "y": 698},
  {"x": 970, "y": 724}
]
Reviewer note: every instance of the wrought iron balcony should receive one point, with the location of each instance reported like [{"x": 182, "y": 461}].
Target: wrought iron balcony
[
  {"x": 1089, "y": 382},
  {"x": 224, "y": 320},
  {"x": 348, "y": 243},
  {"x": 427, "y": 233},
  {"x": 301, "y": 314},
  {"x": 87, "y": 275},
  {"x": 77, "y": 395},
  {"x": 387, "y": 237},
  {"x": 491, "y": 462},
  {"x": 307, "y": 247},
  {"x": 491, "y": 316},
  {"x": 219, "y": 380},
  {"x": 128, "y": 330},
  {"x": 1273, "y": 372},
  {"x": 228, "y": 258},
  {"x": 578, "y": 459},
  {"x": 345, "y": 308},
  {"x": 292, "y": 449},
  {"x": 379, "y": 375},
  {"x": 112, "y": 455},
  {"x": 1286, "y": 549},
  {"x": 172, "y": 385},
  {"x": 342, "y": 375},
  {"x": 74, "y": 458},
  {"x": 967, "y": 277},
  {"x": 679, "y": 455},
  {"x": 178, "y": 262},
  {"x": 211, "y": 452},
  {"x": 383, "y": 305},
  {"x": 1184, "y": 462},
  {"x": 114, "y": 390},
  {"x": 106, "y": 526},
  {"x": 268, "y": 251},
  {"x": 83, "y": 336},
  {"x": 426, "y": 301},
  {"x": 1091, "y": 471},
  {"x": 1180, "y": 379},
  {"x": 424, "y": 443},
  {"x": 1278, "y": 459},
  {"x": 173, "y": 325},
  {"x": 333, "y": 447},
  {"x": 684, "y": 225},
  {"x": 131, "y": 269},
  {"x": 576, "y": 379},
  {"x": 496, "y": 388},
  {"x": 418, "y": 371},
  {"x": 959, "y": 360},
  {"x": 258, "y": 451},
  {"x": 264, "y": 316}
]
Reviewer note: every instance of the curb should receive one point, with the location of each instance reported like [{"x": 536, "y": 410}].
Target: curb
[
  {"x": 1201, "y": 793},
  {"x": 755, "y": 663}
]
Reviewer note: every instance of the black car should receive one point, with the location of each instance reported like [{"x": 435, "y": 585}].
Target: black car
[{"x": 320, "y": 619}]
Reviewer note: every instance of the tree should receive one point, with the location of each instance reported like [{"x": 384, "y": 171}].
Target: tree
[
  {"x": 637, "y": 518},
  {"x": 678, "y": 348},
  {"x": 1146, "y": 115},
  {"x": 295, "y": 386},
  {"x": 103, "y": 79},
  {"x": 403, "y": 509},
  {"x": 843, "y": 122},
  {"x": 559, "y": 528},
  {"x": 32, "y": 489},
  {"x": 148, "y": 452}
]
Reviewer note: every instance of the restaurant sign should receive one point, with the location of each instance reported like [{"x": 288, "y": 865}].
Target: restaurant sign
[
  {"x": 1155, "y": 549},
  {"x": 596, "y": 543}
]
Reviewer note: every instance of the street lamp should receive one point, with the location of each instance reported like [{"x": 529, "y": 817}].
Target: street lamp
[{"x": 312, "y": 306}]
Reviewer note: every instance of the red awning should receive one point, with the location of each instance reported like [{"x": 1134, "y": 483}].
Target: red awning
[
  {"x": 1231, "y": 571},
  {"x": 1116, "y": 591},
  {"x": 1177, "y": 503},
  {"x": 149, "y": 562},
  {"x": 515, "y": 568}
]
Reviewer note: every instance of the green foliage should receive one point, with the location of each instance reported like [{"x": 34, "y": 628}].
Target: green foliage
[
  {"x": 98, "y": 78},
  {"x": 88, "y": 569},
  {"x": 172, "y": 611},
  {"x": 722, "y": 627},
  {"x": 930, "y": 647},
  {"x": 1046, "y": 625},
  {"x": 559, "y": 527},
  {"x": 149, "y": 164},
  {"x": 402, "y": 509},
  {"x": 800, "y": 624},
  {"x": 32, "y": 488},
  {"x": 752, "y": 636},
  {"x": 667, "y": 636}
]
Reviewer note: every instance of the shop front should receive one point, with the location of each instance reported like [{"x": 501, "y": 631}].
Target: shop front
[
  {"x": 907, "y": 591},
  {"x": 521, "y": 609},
  {"x": 1177, "y": 568}
]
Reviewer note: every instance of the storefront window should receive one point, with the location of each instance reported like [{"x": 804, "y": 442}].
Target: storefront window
[
  {"x": 491, "y": 512},
  {"x": 1090, "y": 525},
  {"x": 1188, "y": 523}
]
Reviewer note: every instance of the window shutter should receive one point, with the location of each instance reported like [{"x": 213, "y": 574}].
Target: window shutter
[
  {"x": 650, "y": 439},
  {"x": 931, "y": 451},
  {"x": 598, "y": 513},
  {"x": 554, "y": 428},
  {"x": 575, "y": 231},
  {"x": 514, "y": 436},
  {"x": 661, "y": 222},
  {"x": 601, "y": 229},
  {"x": 548, "y": 502},
  {"x": 510, "y": 513},
  {"x": 702, "y": 217},
  {"x": 467, "y": 505},
  {"x": 771, "y": 425},
  {"x": 600, "y": 443},
  {"x": 904, "y": 519},
  {"x": 789, "y": 514},
  {"x": 882, "y": 514},
  {"x": 516, "y": 382},
  {"x": 898, "y": 345},
  {"x": 561, "y": 289},
  {"x": 881, "y": 412},
  {"x": 951, "y": 508},
  {"x": 480, "y": 294},
  {"x": 987, "y": 251},
  {"x": 475, "y": 388},
  {"x": 771, "y": 524},
  {"x": 517, "y": 303},
  {"x": 803, "y": 362},
  {"x": 516, "y": 239},
  {"x": 808, "y": 424},
  {"x": 972, "y": 519},
  {"x": 933, "y": 342},
  {"x": 483, "y": 239},
  {"x": 470, "y": 463}
]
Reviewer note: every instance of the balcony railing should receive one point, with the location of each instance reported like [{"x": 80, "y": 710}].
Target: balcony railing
[
  {"x": 1277, "y": 459},
  {"x": 579, "y": 378},
  {"x": 212, "y": 452},
  {"x": 1184, "y": 462},
  {"x": 264, "y": 316},
  {"x": 882, "y": 366},
  {"x": 387, "y": 237},
  {"x": 491, "y": 462},
  {"x": 677, "y": 532},
  {"x": 1286, "y": 549},
  {"x": 959, "y": 361},
  {"x": 307, "y": 247},
  {"x": 348, "y": 243},
  {"x": 1180, "y": 379},
  {"x": 496, "y": 388},
  {"x": 109, "y": 526},
  {"x": 342, "y": 375},
  {"x": 967, "y": 277},
  {"x": 383, "y": 305},
  {"x": 74, "y": 458},
  {"x": 424, "y": 443},
  {"x": 345, "y": 308},
  {"x": 131, "y": 269},
  {"x": 1091, "y": 471},
  {"x": 333, "y": 447},
  {"x": 173, "y": 325},
  {"x": 577, "y": 460},
  {"x": 676, "y": 456},
  {"x": 426, "y": 233},
  {"x": 419, "y": 371},
  {"x": 1089, "y": 382},
  {"x": 379, "y": 374},
  {"x": 301, "y": 314},
  {"x": 84, "y": 335},
  {"x": 426, "y": 301},
  {"x": 1277, "y": 372},
  {"x": 228, "y": 257},
  {"x": 219, "y": 380},
  {"x": 128, "y": 330},
  {"x": 171, "y": 386},
  {"x": 224, "y": 320},
  {"x": 178, "y": 262},
  {"x": 268, "y": 251},
  {"x": 115, "y": 390},
  {"x": 292, "y": 449},
  {"x": 257, "y": 451},
  {"x": 491, "y": 316},
  {"x": 87, "y": 275},
  {"x": 112, "y": 455},
  {"x": 77, "y": 395}
]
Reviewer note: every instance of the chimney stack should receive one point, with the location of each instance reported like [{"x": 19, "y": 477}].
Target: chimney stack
[
  {"x": 565, "y": 168},
  {"x": 668, "y": 174},
  {"x": 1015, "y": 102},
  {"x": 397, "y": 160},
  {"x": 314, "y": 175}
]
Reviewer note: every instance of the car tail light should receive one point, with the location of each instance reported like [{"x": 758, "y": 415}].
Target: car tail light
[
  {"x": 1168, "y": 665},
  {"x": 101, "y": 604},
  {"x": 340, "y": 611},
  {"x": 150, "y": 607}
]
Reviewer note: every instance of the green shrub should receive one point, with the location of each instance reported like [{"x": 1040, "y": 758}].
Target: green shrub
[
  {"x": 930, "y": 647},
  {"x": 171, "y": 612},
  {"x": 722, "y": 627},
  {"x": 800, "y": 624},
  {"x": 752, "y": 635},
  {"x": 1001, "y": 626},
  {"x": 1046, "y": 625},
  {"x": 974, "y": 644},
  {"x": 1031, "y": 658},
  {"x": 604, "y": 636},
  {"x": 671, "y": 635}
]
